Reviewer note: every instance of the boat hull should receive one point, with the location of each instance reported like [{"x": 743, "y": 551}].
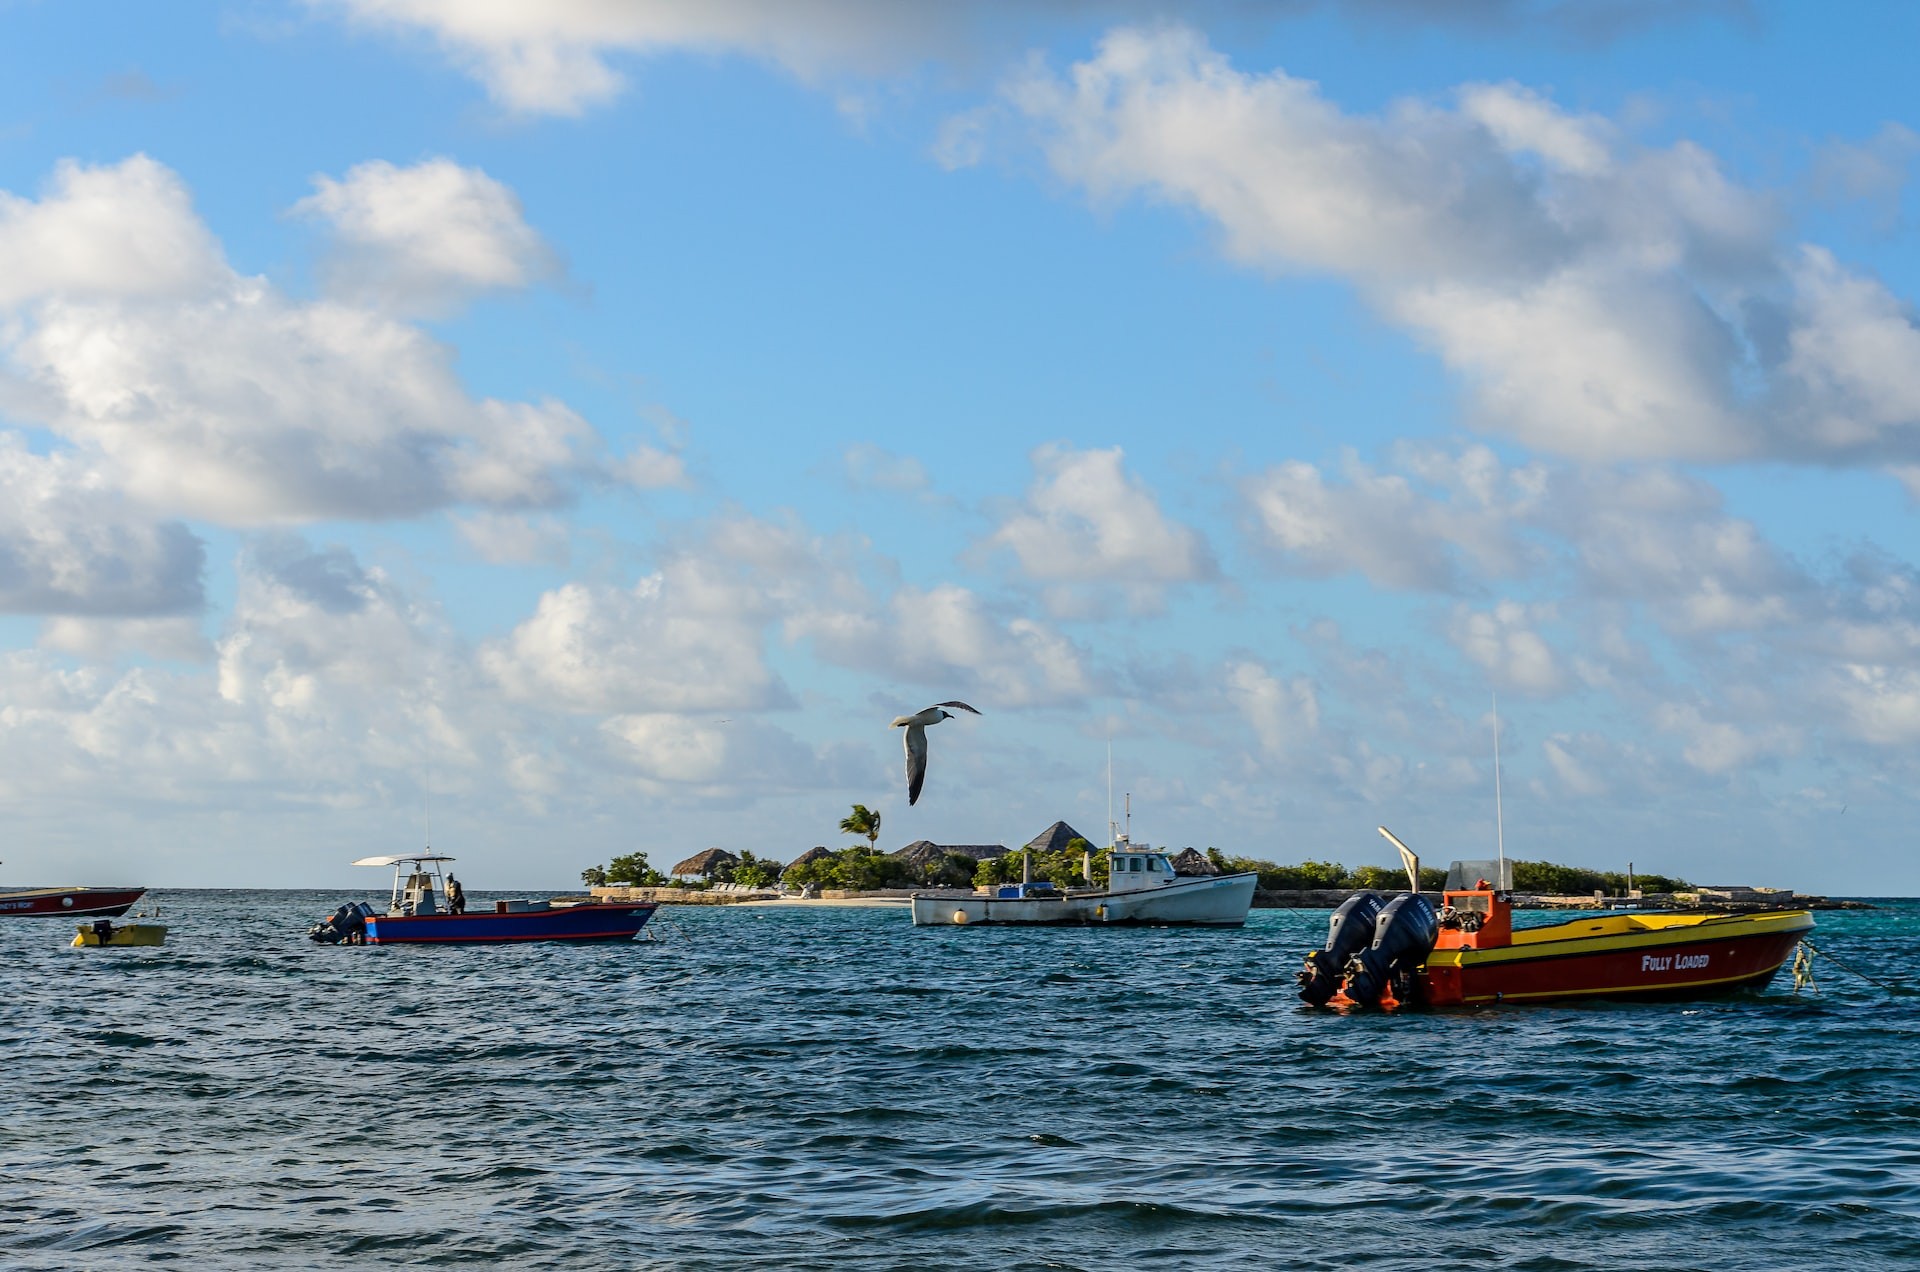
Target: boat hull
[
  {"x": 137, "y": 934},
  {"x": 618, "y": 922},
  {"x": 1201, "y": 902},
  {"x": 72, "y": 903},
  {"x": 1621, "y": 958}
]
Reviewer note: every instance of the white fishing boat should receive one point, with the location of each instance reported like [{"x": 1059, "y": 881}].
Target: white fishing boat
[{"x": 1142, "y": 890}]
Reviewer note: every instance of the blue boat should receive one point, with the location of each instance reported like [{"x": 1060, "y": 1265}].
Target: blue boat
[{"x": 429, "y": 908}]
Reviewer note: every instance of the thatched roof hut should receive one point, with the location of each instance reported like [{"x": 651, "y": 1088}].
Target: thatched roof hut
[
  {"x": 924, "y": 852},
  {"x": 1193, "y": 862},
  {"x": 702, "y": 865},
  {"x": 810, "y": 855},
  {"x": 1054, "y": 838}
]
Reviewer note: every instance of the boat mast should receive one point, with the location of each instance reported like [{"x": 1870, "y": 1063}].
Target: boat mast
[{"x": 1499, "y": 825}]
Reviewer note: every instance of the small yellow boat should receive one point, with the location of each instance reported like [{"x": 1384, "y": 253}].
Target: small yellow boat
[{"x": 106, "y": 932}]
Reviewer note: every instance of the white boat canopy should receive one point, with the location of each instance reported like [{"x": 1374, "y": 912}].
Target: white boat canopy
[{"x": 394, "y": 861}]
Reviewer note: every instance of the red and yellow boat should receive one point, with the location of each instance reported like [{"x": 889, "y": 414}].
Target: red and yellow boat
[
  {"x": 1469, "y": 953},
  {"x": 1643, "y": 955}
]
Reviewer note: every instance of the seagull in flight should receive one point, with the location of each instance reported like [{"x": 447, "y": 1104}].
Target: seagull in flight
[{"x": 916, "y": 742}]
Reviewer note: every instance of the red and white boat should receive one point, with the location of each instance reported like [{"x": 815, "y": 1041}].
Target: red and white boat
[{"x": 32, "y": 903}]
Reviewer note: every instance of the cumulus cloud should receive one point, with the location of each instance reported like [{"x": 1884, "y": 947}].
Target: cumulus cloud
[
  {"x": 1603, "y": 299},
  {"x": 949, "y": 637},
  {"x": 1507, "y": 643},
  {"x": 1456, "y": 527},
  {"x": 514, "y": 538},
  {"x": 204, "y": 393},
  {"x": 115, "y": 231},
  {"x": 1462, "y": 521},
  {"x": 69, "y": 545},
  {"x": 425, "y": 237},
  {"x": 553, "y": 58},
  {"x": 1720, "y": 747},
  {"x": 1284, "y": 714},
  {"x": 1086, "y": 520},
  {"x": 682, "y": 639}
]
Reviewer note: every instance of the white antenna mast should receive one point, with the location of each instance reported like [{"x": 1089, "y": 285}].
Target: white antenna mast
[
  {"x": 1499, "y": 824},
  {"x": 1111, "y": 828}
]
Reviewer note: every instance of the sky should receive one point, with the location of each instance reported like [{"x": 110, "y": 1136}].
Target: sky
[{"x": 564, "y": 430}]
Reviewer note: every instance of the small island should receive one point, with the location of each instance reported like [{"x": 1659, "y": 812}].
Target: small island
[{"x": 1062, "y": 856}]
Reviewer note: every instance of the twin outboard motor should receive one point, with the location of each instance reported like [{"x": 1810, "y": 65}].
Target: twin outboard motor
[
  {"x": 348, "y": 923},
  {"x": 1349, "y": 932},
  {"x": 1403, "y": 936}
]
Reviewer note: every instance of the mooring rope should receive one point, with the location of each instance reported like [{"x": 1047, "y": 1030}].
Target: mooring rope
[
  {"x": 673, "y": 926},
  {"x": 1803, "y": 970}
]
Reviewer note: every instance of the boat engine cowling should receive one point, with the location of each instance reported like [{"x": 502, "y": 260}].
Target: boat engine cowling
[
  {"x": 1403, "y": 936},
  {"x": 1349, "y": 931},
  {"x": 344, "y": 924}
]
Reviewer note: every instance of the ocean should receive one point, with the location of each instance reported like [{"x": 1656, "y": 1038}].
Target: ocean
[{"x": 835, "y": 1088}]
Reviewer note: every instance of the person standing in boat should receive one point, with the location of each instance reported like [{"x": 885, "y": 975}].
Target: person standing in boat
[{"x": 456, "y": 896}]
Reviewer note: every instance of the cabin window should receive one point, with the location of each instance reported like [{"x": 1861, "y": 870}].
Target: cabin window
[{"x": 1133, "y": 863}]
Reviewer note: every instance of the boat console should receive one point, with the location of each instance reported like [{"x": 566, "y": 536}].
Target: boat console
[{"x": 1474, "y": 913}]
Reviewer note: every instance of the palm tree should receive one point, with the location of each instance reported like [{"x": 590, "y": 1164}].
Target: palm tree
[{"x": 862, "y": 821}]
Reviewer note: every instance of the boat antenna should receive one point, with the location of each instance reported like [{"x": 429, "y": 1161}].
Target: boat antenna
[
  {"x": 1112, "y": 829},
  {"x": 1499, "y": 824}
]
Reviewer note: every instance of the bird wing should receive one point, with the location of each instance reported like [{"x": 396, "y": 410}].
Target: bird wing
[
  {"x": 963, "y": 706},
  {"x": 915, "y": 740}
]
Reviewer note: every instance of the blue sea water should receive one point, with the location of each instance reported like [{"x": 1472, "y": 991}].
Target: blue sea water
[{"x": 835, "y": 1088}]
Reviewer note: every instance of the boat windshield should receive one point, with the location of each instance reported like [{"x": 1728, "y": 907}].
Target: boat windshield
[{"x": 1466, "y": 876}]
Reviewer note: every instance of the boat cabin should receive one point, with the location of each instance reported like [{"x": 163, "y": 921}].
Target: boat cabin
[
  {"x": 1476, "y": 910},
  {"x": 418, "y": 887},
  {"x": 1132, "y": 867}
]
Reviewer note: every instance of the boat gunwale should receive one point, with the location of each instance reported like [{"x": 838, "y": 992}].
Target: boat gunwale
[{"x": 1600, "y": 944}]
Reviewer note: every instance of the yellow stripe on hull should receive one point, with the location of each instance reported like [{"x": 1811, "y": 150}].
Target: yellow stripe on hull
[{"x": 1619, "y": 938}]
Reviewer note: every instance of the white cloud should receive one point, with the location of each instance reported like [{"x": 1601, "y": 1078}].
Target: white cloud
[
  {"x": 1602, "y": 299},
  {"x": 203, "y": 393},
  {"x": 1383, "y": 526},
  {"x": 1523, "y": 122},
  {"x": 69, "y": 545},
  {"x": 651, "y": 468},
  {"x": 1721, "y": 747},
  {"x": 1507, "y": 643},
  {"x": 1881, "y": 704},
  {"x": 514, "y": 538},
  {"x": 1087, "y": 521},
  {"x": 553, "y": 58},
  {"x": 1285, "y": 714},
  {"x": 870, "y": 467},
  {"x": 680, "y": 640},
  {"x": 1574, "y": 774},
  {"x": 425, "y": 237},
  {"x": 119, "y": 230},
  {"x": 104, "y": 640},
  {"x": 949, "y": 639}
]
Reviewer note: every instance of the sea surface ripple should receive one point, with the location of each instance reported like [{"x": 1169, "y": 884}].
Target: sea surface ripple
[{"x": 833, "y": 1087}]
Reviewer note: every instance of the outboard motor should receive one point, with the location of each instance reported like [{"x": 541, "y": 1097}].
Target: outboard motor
[
  {"x": 1403, "y": 935},
  {"x": 1349, "y": 931},
  {"x": 345, "y": 924}
]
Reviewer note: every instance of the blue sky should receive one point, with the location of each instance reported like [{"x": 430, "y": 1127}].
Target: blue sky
[{"x": 594, "y": 421}]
